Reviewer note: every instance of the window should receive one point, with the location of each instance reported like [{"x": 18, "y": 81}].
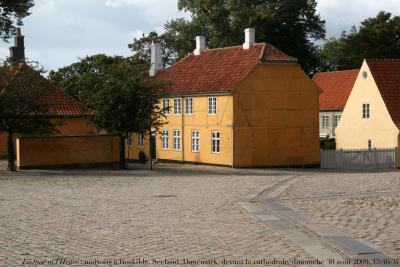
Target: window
[
  {"x": 128, "y": 140},
  {"x": 177, "y": 106},
  {"x": 369, "y": 144},
  {"x": 365, "y": 111},
  {"x": 140, "y": 141},
  {"x": 189, "y": 105},
  {"x": 165, "y": 145},
  {"x": 216, "y": 141},
  {"x": 165, "y": 106},
  {"x": 365, "y": 75},
  {"x": 325, "y": 121},
  {"x": 212, "y": 105},
  {"x": 195, "y": 141},
  {"x": 336, "y": 119},
  {"x": 177, "y": 140}
]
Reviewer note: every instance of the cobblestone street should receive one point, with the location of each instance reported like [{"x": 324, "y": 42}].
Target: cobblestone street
[
  {"x": 181, "y": 212},
  {"x": 165, "y": 214}
]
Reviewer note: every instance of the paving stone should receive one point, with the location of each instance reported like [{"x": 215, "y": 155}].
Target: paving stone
[
  {"x": 115, "y": 214},
  {"x": 353, "y": 245}
]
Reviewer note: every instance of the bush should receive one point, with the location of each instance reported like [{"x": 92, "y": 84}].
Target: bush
[
  {"x": 327, "y": 143},
  {"x": 142, "y": 157}
]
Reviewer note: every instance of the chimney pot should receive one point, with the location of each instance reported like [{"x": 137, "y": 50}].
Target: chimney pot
[
  {"x": 200, "y": 45},
  {"x": 156, "y": 59},
  {"x": 250, "y": 38},
  {"x": 18, "y": 32}
]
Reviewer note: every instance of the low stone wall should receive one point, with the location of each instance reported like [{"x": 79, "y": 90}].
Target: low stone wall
[{"x": 67, "y": 151}]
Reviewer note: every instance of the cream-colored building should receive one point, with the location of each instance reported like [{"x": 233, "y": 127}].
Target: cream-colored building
[
  {"x": 371, "y": 117},
  {"x": 336, "y": 87}
]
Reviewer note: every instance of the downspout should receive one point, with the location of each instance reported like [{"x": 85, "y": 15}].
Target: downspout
[{"x": 183, "y": 106}]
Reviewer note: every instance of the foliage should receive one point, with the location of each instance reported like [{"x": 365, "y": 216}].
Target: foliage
[
  {"x": 289, "y": 25},
  {"x": 376, "y": 38},
  {"x": 23, "y": 110},
  {"x": 11, "y": 14},
  {"x": 327, "y": 143},
  {"x": 114, "y": 87}
]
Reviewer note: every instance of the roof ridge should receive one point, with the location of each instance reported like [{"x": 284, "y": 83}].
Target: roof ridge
[
  {"x": 383, "y": 59},
  {"x": 335, "y": 71},
  {"x": 230, "y": 47}
]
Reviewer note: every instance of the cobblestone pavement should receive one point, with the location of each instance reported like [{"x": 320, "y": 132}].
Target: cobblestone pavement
[
  {"x": 366, "y": 205},
  {"x": 174, "y": 212}
]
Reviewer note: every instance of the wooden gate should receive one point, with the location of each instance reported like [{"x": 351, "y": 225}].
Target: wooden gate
[{"x": 378, "y": 158}]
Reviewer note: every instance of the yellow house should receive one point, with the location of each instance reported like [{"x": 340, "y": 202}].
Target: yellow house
[
  {"x": 371, "y": 117},
  {"x": 69, "y": 113},
  {"x": 240, "y": 106}
]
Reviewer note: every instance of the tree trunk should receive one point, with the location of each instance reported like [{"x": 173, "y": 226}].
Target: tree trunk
[
  {"x": 11, "y": 154},
  {"x": 122, "y": 159}
]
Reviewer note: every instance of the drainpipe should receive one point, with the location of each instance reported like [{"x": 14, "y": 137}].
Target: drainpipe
[{"x": 183, "y": 129}]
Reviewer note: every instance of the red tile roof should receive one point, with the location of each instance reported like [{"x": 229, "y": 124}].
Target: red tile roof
[
  {"x": 336, "y": 88},
  {"x": 386, "y": 74},
  {"x": 219, "y": 70},
  {"x": 60, "y": 103}
]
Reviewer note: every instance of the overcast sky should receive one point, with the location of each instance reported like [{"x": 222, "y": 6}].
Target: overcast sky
[{"x": 60, "y": 31}]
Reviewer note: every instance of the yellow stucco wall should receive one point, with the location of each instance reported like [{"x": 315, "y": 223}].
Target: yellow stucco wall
[
  {"x": 200, "y": 121},
  {"x": 276, "y": 118},
  {"x": 65, "y": 126},
  {"x": 353, "y": 132},
  {"x": 132, "y": 151},
  {"x": 67, "y": 150},
  {"x": 3, "y": 144}
]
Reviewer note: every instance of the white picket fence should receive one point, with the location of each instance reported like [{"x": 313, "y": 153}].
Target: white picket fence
[{"x": 378, "y": 158}]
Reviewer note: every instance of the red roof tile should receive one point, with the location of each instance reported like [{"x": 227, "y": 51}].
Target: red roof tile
[
  {"x": 60, "y": 103},
  {"x": 218, "y": 70},
  {"x": 336, "y": 88},
  {"x": 386, "y": 74}
]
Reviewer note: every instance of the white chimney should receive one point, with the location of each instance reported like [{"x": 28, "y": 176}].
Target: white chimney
[
  {"x": 156, "y": 59},
  {"x": 200, "y": 45},
  {"x": 250, "y": 38}
]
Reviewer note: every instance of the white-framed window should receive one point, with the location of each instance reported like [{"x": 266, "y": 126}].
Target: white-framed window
[
  {"x": 177, "y": 140},
  {"x": 177, "y": 106},
  {"x": 215, "y": 142},
  {"x": 140, "y": 140},
  {"x": 188, "y": 105},
  {"x": 212, "y": 105},
  {"x": 365, "y": 111},
  {"x": 195, "y": 141},
  {"x": 165, "y": 139},
  {"x": 165, "y": 106},
  {"x": 336, "y": 119},
  {"x": 325, "y": 121},
  {"x": 369, "y": 144}
]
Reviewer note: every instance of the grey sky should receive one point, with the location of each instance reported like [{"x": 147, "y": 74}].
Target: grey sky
[{"x": 60, "y": 31}]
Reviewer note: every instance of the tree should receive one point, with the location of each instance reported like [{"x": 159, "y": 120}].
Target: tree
[
  {"x": 290, "y": 25},
  {"x": 376, "y": 38},
  {"x": 114, "y": 87},
  {"x": 11, "y": 15},
  {"x": 23, "y": 109}
]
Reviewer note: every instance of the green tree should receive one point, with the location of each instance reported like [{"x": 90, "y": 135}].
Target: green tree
[
  {"x": 114, "y": 87},
  {"x": 11, "y": 14},
  {"x": 376, "y": 38},
  {"x": 23, "y": 109},
  {"x": 291, "y": 25}
]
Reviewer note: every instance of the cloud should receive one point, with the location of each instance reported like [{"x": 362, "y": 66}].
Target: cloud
[
  {"x": 341, "y": 15},
  {"x": 60, "y": 31}
]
